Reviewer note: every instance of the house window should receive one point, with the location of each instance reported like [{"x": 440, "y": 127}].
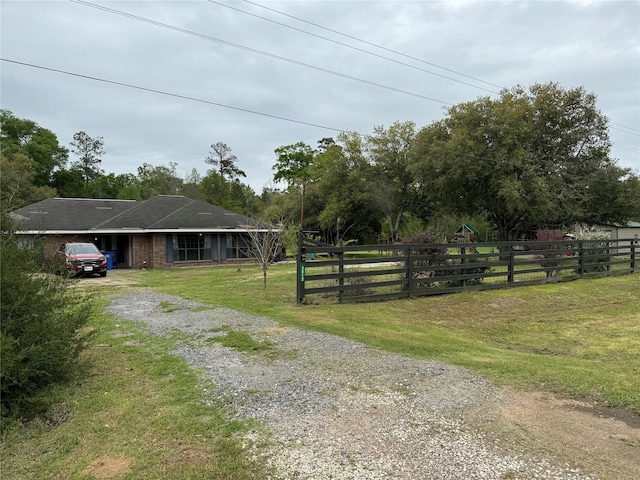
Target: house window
[
  {"x": 25, "y": 241},
  {"x": 238, "y": 246},
  {"x": 188, "y": 247}
]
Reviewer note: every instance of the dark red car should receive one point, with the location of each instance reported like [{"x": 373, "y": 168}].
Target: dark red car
[{"x": 83, "y": 258}]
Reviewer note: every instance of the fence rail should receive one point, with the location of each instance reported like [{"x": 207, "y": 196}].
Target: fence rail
[{"x": 383, "y": 272}]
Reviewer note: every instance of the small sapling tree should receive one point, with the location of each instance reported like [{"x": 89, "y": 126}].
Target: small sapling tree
[{"x": 265, "y": 246}]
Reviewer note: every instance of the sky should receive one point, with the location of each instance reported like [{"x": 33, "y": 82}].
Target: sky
[{"x": 161, "y": 81}]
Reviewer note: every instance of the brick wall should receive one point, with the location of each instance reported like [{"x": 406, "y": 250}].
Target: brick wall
[
  {"x": 52, "y": 243},
  {"x": 148, "y": 251},
  {"x": 142, "y": 249}
]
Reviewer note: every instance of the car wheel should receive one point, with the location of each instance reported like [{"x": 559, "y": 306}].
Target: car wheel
[{"x": 103, "y": 274}]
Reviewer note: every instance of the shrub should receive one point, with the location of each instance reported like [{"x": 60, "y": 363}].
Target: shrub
[
  {"x": 358, "y": 291},
  {"x": 438, "y": 255},
  {"x": 429, "y": 257},
  {"x": 552, "y": 259},
  {"x": 477, "y": 269},
  {"x": 40, "y": 328},
  {"x": 596, "y": 256}
]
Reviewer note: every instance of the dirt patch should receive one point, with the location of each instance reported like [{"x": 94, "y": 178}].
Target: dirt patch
[
  {"x": 605, "y": 441},
  {"x": 112, "y": 468}
]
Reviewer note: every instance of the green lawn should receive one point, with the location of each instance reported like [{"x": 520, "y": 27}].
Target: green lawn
[
  {"x": 139, "y": 409},
  {"x": 137, "y": 412},
  {"x": 579, "y": 338}
]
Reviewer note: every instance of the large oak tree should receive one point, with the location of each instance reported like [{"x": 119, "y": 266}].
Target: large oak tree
[{"x": 530, "y": 158}]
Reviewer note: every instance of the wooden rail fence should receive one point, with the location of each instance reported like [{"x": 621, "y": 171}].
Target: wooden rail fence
[{"x": 383, "y": 272}]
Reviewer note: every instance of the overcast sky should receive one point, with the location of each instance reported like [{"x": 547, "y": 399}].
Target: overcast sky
[{"x": 305, "y": 61}]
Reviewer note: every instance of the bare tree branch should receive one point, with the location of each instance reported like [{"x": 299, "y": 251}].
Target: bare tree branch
[{"x": 266, "y": 245}]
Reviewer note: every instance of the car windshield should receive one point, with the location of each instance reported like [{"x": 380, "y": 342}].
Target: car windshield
[{"x": 85, "y": 248}]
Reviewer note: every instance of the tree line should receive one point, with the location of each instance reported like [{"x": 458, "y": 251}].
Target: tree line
[{"x": 536, "y": 157}]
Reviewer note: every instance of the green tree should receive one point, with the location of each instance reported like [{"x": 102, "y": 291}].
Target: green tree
[
  {"x": 192, "y": 186},
  {"x": 122, "y": 186},
  {"x": 217, "y": 191},
  {"x": 529, "y": 158},
  {"x": 39, "y": 145},
  {"x": 16, "y": 183},
  {"x": 392, "y": 179},
  {"x": 611, "y": 195},
  {"x": 341, "y": 174},
  {"x": 293, "y": 165},
  {"x": 158, "y": 180},
  {"x": 221, "y": 157},
  {"x": 69, "y": 182},
  {"x": 89, "y": 150},
  {"x": 231, "y": 195}
]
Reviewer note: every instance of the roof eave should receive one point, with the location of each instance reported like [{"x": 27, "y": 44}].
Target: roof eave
[{"x": 112, "y": 231}]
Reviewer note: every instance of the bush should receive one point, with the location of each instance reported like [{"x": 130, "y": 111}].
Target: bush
[
  {"x": 596, "y": 255},
  {"x": 473, "y": 266},
  {"x": 551, "y": 260},
  {"x": 40, "y": 328},
  {"x": 438, "y": 255},
  {"x": 435, "y": 256}
]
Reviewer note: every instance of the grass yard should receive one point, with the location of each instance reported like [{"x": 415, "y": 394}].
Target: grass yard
[
  {"x": 137, "y": 414},
  {"x": 141, "y": 407},
  {"x": 579, "y": 338}
]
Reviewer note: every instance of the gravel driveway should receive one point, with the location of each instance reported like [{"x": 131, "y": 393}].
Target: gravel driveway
[{"x": 338, "y": 409}]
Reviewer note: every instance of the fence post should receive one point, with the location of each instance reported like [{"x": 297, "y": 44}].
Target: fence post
[
  {"x": 581, "y": 259},
  {"x": 300, "y": 270},
  {"x": 463, "y": 251},
  {"x": 633, "y": 255},
  {"x": 409, "y": 272},
  {"x": 512, "y": 268},
  {"x": 340, "y": 275}
]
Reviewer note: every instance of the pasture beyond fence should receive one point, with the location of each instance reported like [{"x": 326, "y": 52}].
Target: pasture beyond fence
[{"x": 383, "y": 272}]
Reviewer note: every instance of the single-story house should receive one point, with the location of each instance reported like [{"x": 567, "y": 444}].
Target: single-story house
[{"x": 164, "y": 231}]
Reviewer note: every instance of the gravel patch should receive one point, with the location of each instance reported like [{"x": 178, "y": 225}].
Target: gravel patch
[{"x": 337, "y": 409}]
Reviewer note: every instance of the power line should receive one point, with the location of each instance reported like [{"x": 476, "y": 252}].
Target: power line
[
  {"x": 629, "y": 130},
  {"x": 296, "y": 62},
  {"x": 208, "y": 102},
  {"x": 260, "y": 52},
  {"x": 624, "y": 147},
  {"x": 352, "y": 47},
  {"x": 374, "y": 45},
  {"x": 390, "y": 50},
  {"x": 169, "y": 94}
]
